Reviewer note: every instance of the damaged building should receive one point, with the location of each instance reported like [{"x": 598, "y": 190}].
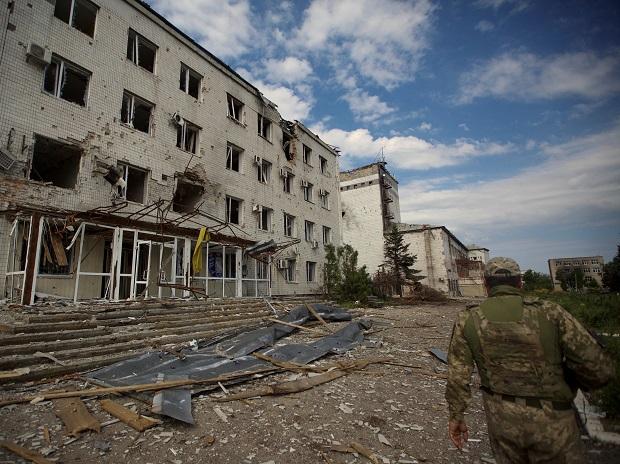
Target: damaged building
[
  {"x": 370, "y": 207},
  {"x": 135, "y": 164}
]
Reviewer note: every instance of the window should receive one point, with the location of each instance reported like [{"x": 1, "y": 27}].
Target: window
[
  {"x": 289, "y": 225},
  {"x": 307, "y": 188},
  {"x": 141, "y": 51},
  {"x": 308, "y": 231},
  {"x": 323, "y": 165},
  {"x": 233, "y": 157},
  {"x": 263, "y": 169},
  {"x": 235, "y": 108},
  {"x": 264, "y": 218},
  {"x": 187, "y": 136},
  {"x": 287, "y": 181},
  {"x": 55, "y": 259},
  {"x": 135, "y": 183},
  {"x": 66, "y": 80},
  {"x": 310, "y": 271},
  {"x": 287, "y": 146},
  {"x": 264, "y": 127},
  {"x": 262, "y": 270},
  {"x": 136, "y": 112},
  {"x": 327, "y": 235},
  {"x": 55, "y": 162},
  {"x": 80, "y": 14},
  {"x": 307, "y": 154},
  {"x": 233, "y": 210},
  {"x": 186, "y": 196},
  {"x": 324, "y": 196},
  {"x": 289, "y": 271},
  {"x": 189, "y": 81}
]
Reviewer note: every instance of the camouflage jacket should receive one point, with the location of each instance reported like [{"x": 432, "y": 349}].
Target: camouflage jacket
[{"x": 581, "y": 356}]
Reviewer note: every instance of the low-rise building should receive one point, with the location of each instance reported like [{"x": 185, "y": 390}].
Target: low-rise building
[
  {"x": 121, "y": 138},
  {"x": 591, "y": 266}
]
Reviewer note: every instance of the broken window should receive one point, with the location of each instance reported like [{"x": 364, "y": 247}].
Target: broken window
[
  {"x": 141, "y": 51},
  {"x": 187, "y": 136},
  {"x": 136, "y": 112},
  {"x": 233, "y": 210},
  {"x": 310, "y": 271},
  {"x": 55, "y": 162},
  {"x": 233, "y": 157},
  {"x": 186, "y": 196},
  {"x": 287, "y": 141},
  {"x": 80, "y": 14},
  {"x": 262, "y": 270},
  {"x": 263, "y": 169},
  {"x": 235, "y": 108},
  {"x": 66, "y": 80},
  {"x": 289, "y": 225},
  {"x": 307, "y": 154},
  {"x": 324, "y": 195},
  {"x": 327, "y": 235},
  {"x": 264, "y": 218},
  {"x": 289, "y": 271},
  {"x": 323, "y": 165},
  {"x": 264, "y": 127},
  {"x": 55, "y": 259},
  {"x": 189, "y": 81},
  {"x": 134, "y": 188},
  {"x": 309, "y": 231},
  {"x": 287, "y": 181},
  {"x": 307, "y": 188}
]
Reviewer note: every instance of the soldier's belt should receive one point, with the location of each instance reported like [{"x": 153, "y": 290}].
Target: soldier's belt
[{"x": 529, "y": 401}]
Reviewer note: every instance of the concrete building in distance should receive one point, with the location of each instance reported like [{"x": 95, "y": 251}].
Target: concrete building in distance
[
  {"x": 476, "y": 253},
  {"x": 121, "y": 138},
  {"x": 370, "y": 206},
  {"x": 591, "y": 266}
]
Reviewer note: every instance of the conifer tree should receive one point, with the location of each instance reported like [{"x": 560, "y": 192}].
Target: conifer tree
[{"x": 398, "y": 262}]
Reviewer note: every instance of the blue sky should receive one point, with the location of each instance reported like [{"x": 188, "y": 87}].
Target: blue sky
[{"x": 499, "y": 118}]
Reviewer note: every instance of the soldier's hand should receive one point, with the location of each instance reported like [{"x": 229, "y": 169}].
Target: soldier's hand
[{"x": 458, "y": 433}]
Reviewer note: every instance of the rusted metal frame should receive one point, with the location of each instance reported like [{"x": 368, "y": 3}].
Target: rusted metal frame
[
  {"x": 32, "y": 258},
  {"x": 145, "y": 211}
]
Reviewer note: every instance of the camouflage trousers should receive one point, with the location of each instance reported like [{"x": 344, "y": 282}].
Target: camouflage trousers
[{"x": 521, "y": 434}]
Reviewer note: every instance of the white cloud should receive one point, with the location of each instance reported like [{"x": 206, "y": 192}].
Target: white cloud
[
  {"x": 366, "y": 107},
  {"x": 464, "y": 126},
  {"x": 383, "y": 39},
  {"x": 289, "y": 70},
  {"x": 290, "y": 105},
  {"x": 425, "y": 126},
  {"x": 222, "y": 26},
  {"x": 527, "y": 76},
  {"x": 577, "y": 181},
  {"x": 517, "y": 5},
  {"x": 409, "y": 152},
  {"x": 484, "y": 26}
]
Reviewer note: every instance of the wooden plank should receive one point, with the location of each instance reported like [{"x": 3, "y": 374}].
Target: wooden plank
[
  {"x": 52, "y": 336},
  {"x": 132, "y": 419},
  {"x": 295, "y": 326},
  {"x": 53, "y": 327},
  {"x": 318, "y": 317},
  {"x": 135, "y": 388},
  {"x": 77, "y": 419},
  {"x": 31, "y": 258},
  {"x": 59, "y": 250},
  {"x": 25, "y": 453}
]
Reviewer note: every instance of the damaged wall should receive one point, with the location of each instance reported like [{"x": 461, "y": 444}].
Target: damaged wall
[{"x": 96, "y": 128}]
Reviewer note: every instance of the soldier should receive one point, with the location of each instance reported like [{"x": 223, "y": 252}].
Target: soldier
[{"x": 531, "y": 355}]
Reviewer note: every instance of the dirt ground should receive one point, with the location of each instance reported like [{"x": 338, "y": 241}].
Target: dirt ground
[{"x": 397, "y": 412}]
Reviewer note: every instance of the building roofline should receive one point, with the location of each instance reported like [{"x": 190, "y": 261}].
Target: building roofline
[
  {"x": 444, "y": 228},
  {"x": 366, "y": 166},
  {"x": 316, "y": 138},
  {"x": 577, "y": 257},
  {"x": 478, "y": 248}
]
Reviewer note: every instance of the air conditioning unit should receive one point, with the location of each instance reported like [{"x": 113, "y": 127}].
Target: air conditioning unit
[
  {"x": 284, "y": 172},
  {"x": 315, "y": 243},
  {"x": 258, "y": 159},
  {"x": 282, "y": 264},
  {"x": 6, "y": 161},
  {"x": 176, "y": 117},
  {"x": 257, "y": 208},
  {"x": 39, "y": 53}
]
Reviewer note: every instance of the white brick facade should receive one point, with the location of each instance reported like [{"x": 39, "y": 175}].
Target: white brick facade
[{"x": 27, "y": 110}]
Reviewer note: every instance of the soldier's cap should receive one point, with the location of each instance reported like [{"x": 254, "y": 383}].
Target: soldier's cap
[{"x": 500, "y": 266}]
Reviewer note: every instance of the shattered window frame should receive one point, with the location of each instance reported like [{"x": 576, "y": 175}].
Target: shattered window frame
[
  {"x": 185, "y": 81},
  {"x": 68, "y": 10},
  {"x": 307, "y": 188},
  {"x": 289, "y": 225},
  {"x": 290, "y": 272},
  {"x": 128, "y": 111},
  {"x": 306, "y": 154},
  {"x": 327, "y": 235},
  {"x": 135, "y": 42},
  {"x": 324, "y": 196},
  {"x": 263, "y": 171},
  {"x": 264, "y": 218},
  {"x": 287, "y": 183},
  {"x": 54, "y": 83},
  {"x": 323, "y": 165},
  {"x": 233, "y": 213},
  {"x": 188, "y": 144},
  {"x": 234, "y": 108},
  {"x": 309, "y": 231},
  {"x": 122, "y": 191},
  {"x": 50, "y": 268},
  {"x": 310, "y": 271},
  {"x": 264, "y": 127},
  {"x": 232, "y": 152}
]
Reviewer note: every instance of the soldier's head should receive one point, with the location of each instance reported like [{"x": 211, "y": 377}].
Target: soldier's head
[{"x": 502, "y": 271}]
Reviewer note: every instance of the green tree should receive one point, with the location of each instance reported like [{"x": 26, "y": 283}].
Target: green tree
[
  {"x": 399, "y": 262},
  {"x": 332, "y": 277},
  {"x": 343, "y": 279},
  {"x": 533, "y": 281},
  {"x": 611, "y": 273},
  {"x": 571, "y": 279}
]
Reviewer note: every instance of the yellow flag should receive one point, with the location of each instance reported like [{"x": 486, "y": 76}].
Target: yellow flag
[{"x": 203, "y": 237}]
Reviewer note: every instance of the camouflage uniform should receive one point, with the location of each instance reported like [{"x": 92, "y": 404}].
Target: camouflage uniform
[{"x": 531, "y": 356}]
